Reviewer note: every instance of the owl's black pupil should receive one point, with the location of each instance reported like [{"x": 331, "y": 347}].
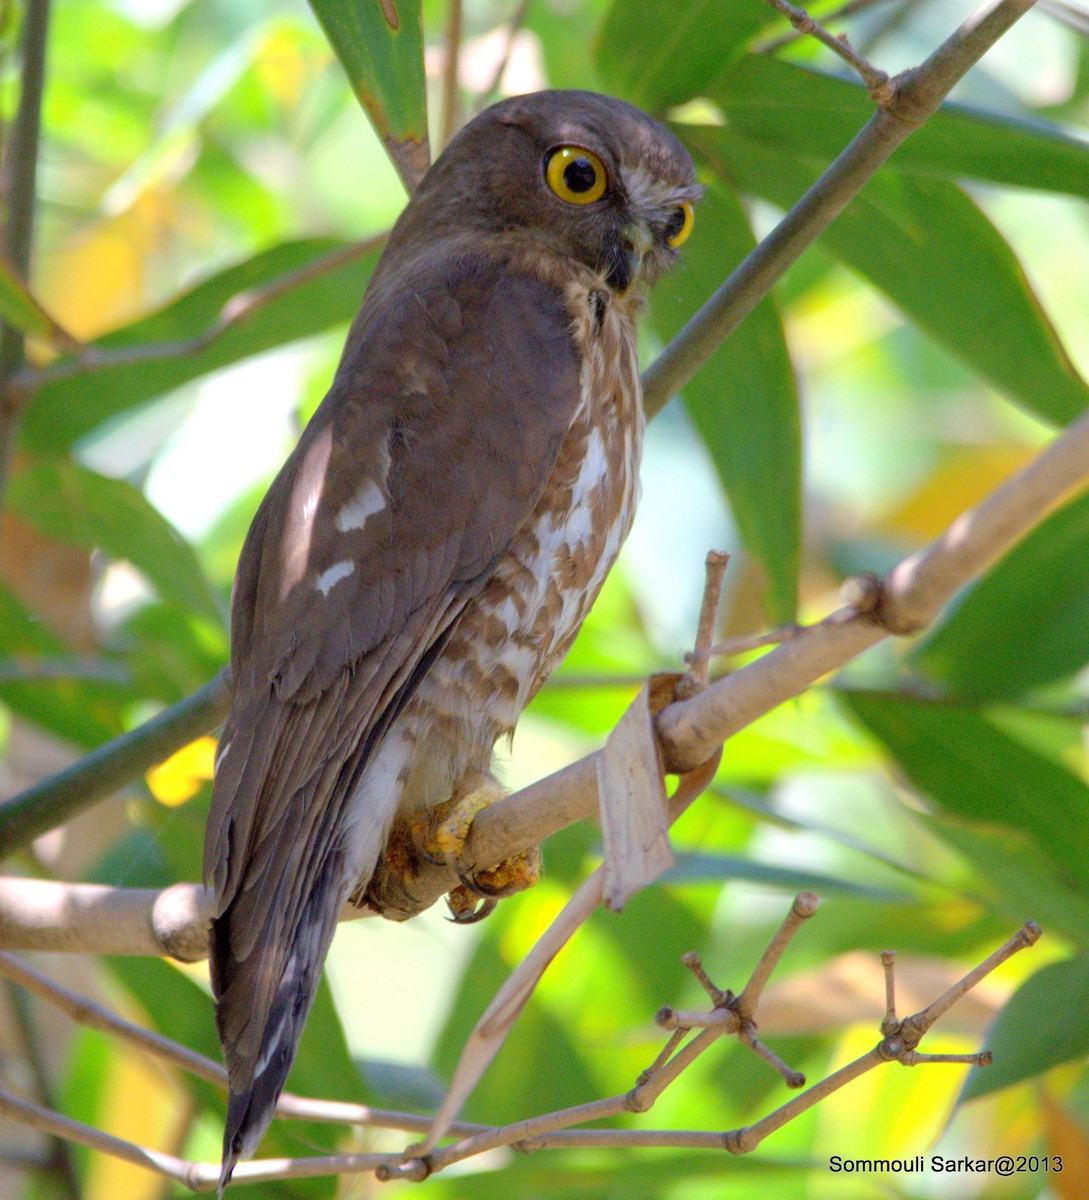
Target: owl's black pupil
[
  {"x": 580, "y": 175},
  {"x": 675, "y": 224}
]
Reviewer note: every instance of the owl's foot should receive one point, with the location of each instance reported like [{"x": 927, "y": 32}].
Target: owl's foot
[
  {"x": 447, "y": 842},
  {"x": 513, "y": 874}
]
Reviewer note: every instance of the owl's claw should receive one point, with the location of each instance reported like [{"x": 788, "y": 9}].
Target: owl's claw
[
  {"x": 447, "y": 843},
  {"x": 467, "y": 906}
]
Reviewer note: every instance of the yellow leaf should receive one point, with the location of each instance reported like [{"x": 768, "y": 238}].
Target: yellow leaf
[
  {"x": 954, "y": 486},
  {"x": 182, "y": 775},
  {"x": 1067, "y": 1139}
]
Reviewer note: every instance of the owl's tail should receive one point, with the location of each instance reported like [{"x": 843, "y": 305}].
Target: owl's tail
[{"x": 259, "y": 1056}]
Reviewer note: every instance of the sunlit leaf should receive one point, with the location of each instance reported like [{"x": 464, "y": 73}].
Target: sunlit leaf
[
  {"x": 972, "y": 769},
  {"x": 183, "y": 774},
  {"x": 812, "y": 116},
  {"x": 744, "y": 401},
  {"x": 289, "y": 292},
  {"x": 380, "y": 45},
  {"x": 1026, "y": 622},
  {"x": 1046, "y": 1022},
  {"x": 71, "y": 503},
  {"x": 931, "y": 249}
]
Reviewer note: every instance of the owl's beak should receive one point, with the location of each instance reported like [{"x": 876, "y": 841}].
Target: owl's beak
[{"x": 634, "y": 245}]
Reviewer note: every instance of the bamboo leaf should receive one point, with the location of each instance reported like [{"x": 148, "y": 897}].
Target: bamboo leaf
[
  {"x": 681, "y": 46},
  {"x": 380, "y": 45},
  {"x": 1044, "y": 1023},
  {"x": 1026, "y": 622},
  {"x": 812, "y": 116},
  {"x": 71, "y": 503},
  {"x": 935, "y": 254}
]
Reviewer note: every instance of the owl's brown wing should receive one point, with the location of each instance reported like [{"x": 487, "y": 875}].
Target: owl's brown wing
[{"x": 430, "y": 451}]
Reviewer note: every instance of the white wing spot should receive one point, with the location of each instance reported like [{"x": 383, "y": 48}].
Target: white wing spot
[
  {"x": 328, "y": 580},
  {"x": 365, "y": 503}
]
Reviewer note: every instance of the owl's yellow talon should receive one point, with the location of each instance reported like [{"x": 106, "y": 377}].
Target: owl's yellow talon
[
  {"x": 445, "y": 842},
  {"x": 453, "y": 831}
]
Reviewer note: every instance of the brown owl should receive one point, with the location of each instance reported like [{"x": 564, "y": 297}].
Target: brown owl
[{"x": 427, "y": 554}]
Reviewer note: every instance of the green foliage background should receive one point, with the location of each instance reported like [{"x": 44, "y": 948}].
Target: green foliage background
[{"x": 936, "y": 793}]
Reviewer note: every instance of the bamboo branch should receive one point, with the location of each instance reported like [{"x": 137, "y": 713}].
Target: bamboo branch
[
  {"x": 915, "y": 96},
  {"x": 110, "y": 767},
  {"x": 450, "y": 103},
  {"x": 877, "y": 82},
  {"x": 728, "y": 1015}
]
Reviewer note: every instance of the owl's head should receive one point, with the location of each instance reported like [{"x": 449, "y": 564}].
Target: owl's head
[{"x": 589, "y": 176}]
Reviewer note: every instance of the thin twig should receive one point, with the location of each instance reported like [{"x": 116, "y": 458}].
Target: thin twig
[
  {"x": 514, "y": 25},
  {"x": 745, "y": 643},
  {"x": 696, "y": 678},
  {"x": 59, "y": 1161},
  {"x": 20, "y": 179},
  {"x": 804, "y": 906},
  {"x": 837, "y": 14},
  {"x": 87, "y": 1012},
  {"x": 896, "y": 1045},
  {"x": 239, "y": 309},
  {"x": 450, "y": 104},
  {"x": 553, "y": 1130},
  {"x": 919, "y": 93},
  {"x": 1071, "y": 15},
  {"x": 876, "y": 81}
]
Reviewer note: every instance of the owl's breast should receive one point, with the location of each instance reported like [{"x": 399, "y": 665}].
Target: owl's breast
[{"x": 519, "y": 627}]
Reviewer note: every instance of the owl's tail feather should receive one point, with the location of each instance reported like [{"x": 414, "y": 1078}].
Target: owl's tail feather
[{"x": 256, "y": 1080}]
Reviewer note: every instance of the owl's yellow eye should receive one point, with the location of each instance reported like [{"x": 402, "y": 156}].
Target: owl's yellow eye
[
  {"x": 679, "y": 226},
  {"x": 575, "y": 175}
]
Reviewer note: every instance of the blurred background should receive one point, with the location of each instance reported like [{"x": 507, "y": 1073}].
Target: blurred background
[{"x": 205, "y": 176}]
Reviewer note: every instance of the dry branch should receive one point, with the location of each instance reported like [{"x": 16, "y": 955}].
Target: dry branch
[{"x": 729, "y": 1014}]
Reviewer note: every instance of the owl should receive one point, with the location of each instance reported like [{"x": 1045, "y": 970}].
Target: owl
[{"x": 425, "y": 557}]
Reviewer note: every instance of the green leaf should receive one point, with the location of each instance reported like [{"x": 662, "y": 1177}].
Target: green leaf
[
  {"x": 681, "y": 47},
  {"x": 1044, "y": 1023},
  {"x": 85, "y": 712},
  {"x": 744, "y": 400},
  {"x": 323, "y": 1067},
  {"x": 73, "y": 504},
  {"x": 702, "y": 868},
  {"x": 1021, "y": 881},
  {"x": 935, "y": 254},
  {"x": 1026, "y": 622},
  {"x": 812, "y": 116},
  {"x": 972, "y": 769},
  {"x": 380, "y": 45},
  {"x": 293, "y": 290},
  {"x": 540, "y": 1067},
  {"x": 19, "y": 309}
]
